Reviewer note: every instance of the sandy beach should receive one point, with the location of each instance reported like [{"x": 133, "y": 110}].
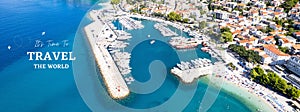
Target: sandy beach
[{"x": 253, "y": 101}]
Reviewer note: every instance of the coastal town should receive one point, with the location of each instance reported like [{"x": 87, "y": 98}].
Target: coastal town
[{"x": 261, "y": 40}]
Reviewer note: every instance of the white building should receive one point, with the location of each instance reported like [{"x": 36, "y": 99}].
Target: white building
[
  {"x": 293, "y": 64},
  {"x": 221, "y": 14},
  {"x": 277, "y": 56}
]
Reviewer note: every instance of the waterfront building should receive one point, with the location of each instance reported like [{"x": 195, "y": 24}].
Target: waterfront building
[{"x": 277, "y": 56}]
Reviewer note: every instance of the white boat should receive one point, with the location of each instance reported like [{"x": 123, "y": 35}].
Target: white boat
[
  {"x": 148, "y": 36},
  {"x": 9, "y": 47},
  {"x": 43, "y": 33},
  {"x": 152, "y": 41}
]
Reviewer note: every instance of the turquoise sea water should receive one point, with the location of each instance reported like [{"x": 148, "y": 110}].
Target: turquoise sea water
[{"x": 23, "y": 88}]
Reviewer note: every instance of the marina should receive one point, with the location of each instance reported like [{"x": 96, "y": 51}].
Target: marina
[
  {"x": 189, "y": 71},
  {"x": 166, "y": 32}
]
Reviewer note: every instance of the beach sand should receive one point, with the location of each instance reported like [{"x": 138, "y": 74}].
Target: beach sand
[{"x": 251, "y": 100}]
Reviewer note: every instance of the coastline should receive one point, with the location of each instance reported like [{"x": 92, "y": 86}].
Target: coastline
[{"x": 251, "y": 100}]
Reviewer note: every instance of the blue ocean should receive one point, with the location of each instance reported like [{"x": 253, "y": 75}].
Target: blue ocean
[{"x": 24, "y": 88}]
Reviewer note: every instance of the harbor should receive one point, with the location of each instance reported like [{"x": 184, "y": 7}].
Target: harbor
[{"x": 187, "y": 72}]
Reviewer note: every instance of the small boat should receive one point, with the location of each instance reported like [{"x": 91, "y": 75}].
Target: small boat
[
  {"x": 149, "y": 36},
  {"x": 152, "y": 41},
  {"x": 205, "y": 49},
  {"x": 43, "y": 33},
  {"x": 9, "y": 47}
]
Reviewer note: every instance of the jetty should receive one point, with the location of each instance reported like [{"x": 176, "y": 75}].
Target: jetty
[
  {"x": 166, "y": 32},
  {"x": 184, "y": 43},
  {"x": 130, "y": 24},
  {"x": 99, "y": 35},
  {"x": 187, "y": 72}
]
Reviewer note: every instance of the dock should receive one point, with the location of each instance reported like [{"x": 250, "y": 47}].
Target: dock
[
  {"x": 130, "y": 24},
  {"x": 96, "y": 33},
  {"x": 187, "y": 72},
  {"x": 166, "y": 32}
]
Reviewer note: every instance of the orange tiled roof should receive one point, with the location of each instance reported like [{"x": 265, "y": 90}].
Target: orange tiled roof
[
  {"x": 268, "y": 38},
  {"x": 297, "y": 33},
  {"x": 280, "y": 35},
  {"x": 245, "y": 41},
  {"x": 236, "y": 32},
  {"x": 272, "y": 33},
  {"x": 240, "y": 4},
  {"x": 256, "y": 49},
  {"x": 277, "y": 13},
  {"x": 273, "y": 49},
  {"x": 297, "y": 46},
  {"x": 285, "y": 40},
  {"x": 265, "y": 56}
]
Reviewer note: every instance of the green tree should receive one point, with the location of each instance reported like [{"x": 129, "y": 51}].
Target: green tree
[
  {"x": 227, "y": 36},
  {"x": 114, "y": 2},
  {"x": 202, "y": 24},
  {"x": 283, "y": 49},
  {"x": 186, "y": 20},
  {"x": 275, "y": 82},
  {"x": 225, "y": 29},
  {"x": 172, "y": 16}
]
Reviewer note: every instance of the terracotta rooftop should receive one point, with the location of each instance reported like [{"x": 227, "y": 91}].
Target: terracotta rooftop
[
  {"x": 285, "y": 40},
  {"x": 256, "y": 49},
  {"x": 273, "y": 49},
  {"x": 297, "y": 46},
  {"x": 297, "y": 33},
  {"x": 265, "y": 56}
]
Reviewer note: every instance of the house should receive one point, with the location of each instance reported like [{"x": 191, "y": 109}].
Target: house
[
  {"x": 221, "y": 14},
  {"x": 268, "y": 40},
  {"x": 284, "y": 42},
  {"x": 279, "y": 9},
  {"x": 270, "y": 8},
  {"x": 235, "y": 13},
  {"x": 291, "y": 39},
  {"x": 266, "y": 59},
  {"x": 261, "y": 5},
  {"x": 253, "y": 13},
  {"x": 295, "y": 49},
  {"x": 296, "y": 35},
  {"x": 231, "y": 5},
  {"x": 241, "y": 6},
  {"x": 277, "y": 56},
  {"x": 296, "y": 25},
  {"x": 275, "y": 27},
  {"x": 243, "y": 1}
]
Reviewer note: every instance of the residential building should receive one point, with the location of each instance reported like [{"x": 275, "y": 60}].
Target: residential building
[{"x": 295, "y": 49}]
